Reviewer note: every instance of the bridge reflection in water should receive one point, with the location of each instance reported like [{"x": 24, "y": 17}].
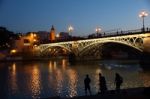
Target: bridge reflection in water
[{"x": 43, "y": 79}]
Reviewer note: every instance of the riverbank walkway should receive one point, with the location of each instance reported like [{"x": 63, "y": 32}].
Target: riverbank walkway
[{"x": 132, "y": 93}]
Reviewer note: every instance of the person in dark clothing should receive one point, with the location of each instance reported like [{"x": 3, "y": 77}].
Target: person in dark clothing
[
  {"x": 102, "y": 84},
  {"x": 87, "y": 82},
  {"x": 118, "y": 82}
]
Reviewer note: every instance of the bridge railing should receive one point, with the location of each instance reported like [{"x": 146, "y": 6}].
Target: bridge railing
[
  {"x": 118, "y": 33},
  {"x": 102, "y": 35}
]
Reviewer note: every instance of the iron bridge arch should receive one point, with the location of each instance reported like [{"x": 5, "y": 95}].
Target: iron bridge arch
[
  {"x": 100, "y": 44},
  {"x": 79, "y": 47}
]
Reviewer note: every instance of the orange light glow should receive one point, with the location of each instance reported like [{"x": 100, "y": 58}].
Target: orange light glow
[
  {"x": 34, "y": 35},
  {"x": 13, "y": 51},
  {"x": 34, "y": 40}
]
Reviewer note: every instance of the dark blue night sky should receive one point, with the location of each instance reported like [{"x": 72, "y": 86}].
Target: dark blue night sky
[{"x": 83, "y": 15}]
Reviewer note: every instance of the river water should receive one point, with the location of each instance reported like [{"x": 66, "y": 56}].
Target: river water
[{"x": 42, "y": 79}]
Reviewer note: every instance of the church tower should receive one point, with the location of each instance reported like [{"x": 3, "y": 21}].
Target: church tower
[{"x": 52, "y": 34}]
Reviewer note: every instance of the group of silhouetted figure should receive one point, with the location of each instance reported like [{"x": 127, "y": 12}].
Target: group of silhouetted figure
[{"x": 102, "y": 84}]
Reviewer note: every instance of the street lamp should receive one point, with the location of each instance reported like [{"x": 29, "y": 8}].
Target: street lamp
[
  {"x": 98, "y": 30},
  {"x": 142, "y": 15},
  {"x": 70, "y": 29},
  {"x": 57, "y": 37}
]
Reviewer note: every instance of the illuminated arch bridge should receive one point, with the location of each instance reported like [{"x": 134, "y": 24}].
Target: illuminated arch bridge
[{"x": 92, "y": 46}]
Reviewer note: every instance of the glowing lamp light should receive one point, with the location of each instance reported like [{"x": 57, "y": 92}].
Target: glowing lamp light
[
  {"x": 31, "y": 35},
  {"x": 35, "y": 45},
  {"x": 70, "y": 28},
  {"x": 57, "y": 35},
  {"x": 13, "y": 51},
  {"x": 98, "y": 29},
  {"x": 34, "y": 35},
  {"x": 34, "y": 40},
  {"x": 143, "y": 14}
]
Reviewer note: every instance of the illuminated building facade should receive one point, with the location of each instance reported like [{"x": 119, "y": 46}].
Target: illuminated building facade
[
  {"x": 52, "y": 34},
  {"x": 26, "y": 43},
  {"x": 64, "y": 36}
]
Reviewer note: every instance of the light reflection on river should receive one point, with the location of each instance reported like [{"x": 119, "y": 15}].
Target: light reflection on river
[
  {"x": 26, "y": 80},
  {"x": 12, "y": 80},
  {"x": 35, "y": 82}
]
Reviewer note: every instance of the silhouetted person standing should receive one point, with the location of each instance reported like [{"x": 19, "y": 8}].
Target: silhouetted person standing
[
  {"x": 118, "y": 82},
  {"x": 87, "y": 82},
  {"x": 102, "y": 84},
  {"x": 147, "y": 29}
]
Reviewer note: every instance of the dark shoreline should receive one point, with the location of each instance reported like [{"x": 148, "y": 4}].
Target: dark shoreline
[
  {"x": 27, "y": 59},
  {"x": 75, "y": 61},
  {"x": 131, "y": 93}
]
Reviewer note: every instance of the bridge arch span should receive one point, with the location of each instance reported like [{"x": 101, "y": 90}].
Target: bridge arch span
[
  {"x": 100, "y": 44},
  {"x": 55, "y": 46}
]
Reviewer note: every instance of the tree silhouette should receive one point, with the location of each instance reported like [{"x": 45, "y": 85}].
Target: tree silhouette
[{"x": 6, "y": 38}]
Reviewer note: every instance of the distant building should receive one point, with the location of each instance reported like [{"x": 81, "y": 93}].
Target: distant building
[
  {"x": 64, "y": 35},
  {"x": 43, "y": 36},
  {"x": 52, "y": 34},
  {"x": 26, "y": 43}
]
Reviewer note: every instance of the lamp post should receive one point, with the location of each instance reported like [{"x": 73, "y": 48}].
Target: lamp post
[
  {"x": 57, "y": 37},
  {"x": 70, "y": 29},
  {"x": 98, "y": 30},
  {"x": 142, "y": 15}
]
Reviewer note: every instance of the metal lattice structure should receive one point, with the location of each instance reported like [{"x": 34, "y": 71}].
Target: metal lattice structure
[{"x": 81, "y": 47}]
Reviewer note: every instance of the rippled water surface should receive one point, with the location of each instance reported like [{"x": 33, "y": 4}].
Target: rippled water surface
[{"x": 41, "y": 79}]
